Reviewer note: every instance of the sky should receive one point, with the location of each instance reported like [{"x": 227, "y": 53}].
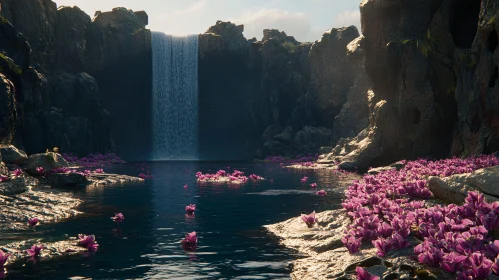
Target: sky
[{"x": 306, "y": 20}]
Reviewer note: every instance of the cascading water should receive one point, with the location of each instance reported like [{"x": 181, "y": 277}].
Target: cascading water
[{"x": 175, "y": 97}]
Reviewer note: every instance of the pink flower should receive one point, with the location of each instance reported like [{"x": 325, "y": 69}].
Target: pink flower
[
  {"x": 100, "y": 170},
  {"x": 313, "y": 185},
  {"x": 190, "y": 241},
  {"x": 186, "y": 186},
  {"x": 35, "y": 250},
  {"x": 3, "y": 259},
  {"x": 304, "y": 179},
  {"x": 88, "y": 242},
  {"x": 118, "y": 218},
  {"x": 321, "y": 192},
  {"x": 40, "y": 170},
  {"x": 362, "y": 274},
  {"x": 189, "y": 209},
  {"x": 309, "y": 219},
  {"x": 32, "y": 222},
  {"x": 17, "y": 172}
]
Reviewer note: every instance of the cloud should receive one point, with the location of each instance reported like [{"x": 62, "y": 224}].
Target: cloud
[
  {"x": 189, "y": 10},
  {"x": 348, "y": 18},
  {"x": 293, "y": 23}
]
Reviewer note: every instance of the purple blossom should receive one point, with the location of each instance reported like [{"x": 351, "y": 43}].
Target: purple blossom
[
  {"x": 190, "y": 241},
  {"x": 17, "y": 172},
  {"x": 40, "y": 170},
  {"x": 362, "y": 274},
  {"x": 321, "y": 192},
  {"x": 309, "y": 219},
  {"x": 353, "y": 244},
  {"x": 99, "y": 170},
  {"x": 118, "y": 218},
  {"x": 383, "y": 246},
  {"x": 452, "y": 262},
  {"x": 35, "y": 251},
  {"x": 4, "y": 178},
  {"x": 3, "y": 259},
  {"x": 88, "y": 242},
  {"x": 189, "y": 209},
  {"x": 32, "y": 222}
]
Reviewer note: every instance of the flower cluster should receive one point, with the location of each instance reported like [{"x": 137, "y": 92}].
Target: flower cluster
[
  {"x": 88, "y": 242},
  {"x": 190, "y": 241},
  {"x": 222, "y": 176},
  {"x": 94, "y": 160},
  {"x": 386, "y": 207},
  {"x": 309, "y": 219}
]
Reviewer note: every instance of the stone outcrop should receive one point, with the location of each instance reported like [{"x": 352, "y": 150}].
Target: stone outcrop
[
  {"x": 12, "y": 155},
  {"x": 284, "y": 94},
  {"x": 74, "y": 69},
  {"x": 48, "y": 161},
  {"x": 433, "y": 69},
  {"x": 329, "y": 259},
  {"x": 454, "y": 189},
  {"x": 332, "y": 75}
]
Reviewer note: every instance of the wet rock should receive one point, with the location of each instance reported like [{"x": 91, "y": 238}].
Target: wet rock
[
  {"x": 329, "y": 259},
  {"x": 44, "y": 203},
  {"x": 325, "y": 236},
  {"x": 66, "y": 179},
  {"x": 13, "y": 186},
  {"x": 97, "y": 179},
  {"x": 50, "y": 249},
  {"x": 454, "y": 189},
  {"x": 12, "y": 155},
  {"x": 48, "y": 161}
]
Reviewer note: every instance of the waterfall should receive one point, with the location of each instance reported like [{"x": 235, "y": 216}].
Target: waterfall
[{"x": 175, "y": 97}]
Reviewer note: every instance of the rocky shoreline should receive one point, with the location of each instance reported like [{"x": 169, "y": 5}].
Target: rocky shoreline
[
  {"x": 327, "y": 258},
  {"x": 27, "y": 192}
]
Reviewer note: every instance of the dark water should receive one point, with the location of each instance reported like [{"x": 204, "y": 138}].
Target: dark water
[{"x": 232, "y": 242}]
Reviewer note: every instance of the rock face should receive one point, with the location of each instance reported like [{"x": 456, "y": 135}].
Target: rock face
[
  {"x": 12, "y": 155},
  {"x": 454, "y": 189},
  {"x": 433, "y": 69},
  {"x": 77, "y": 68},
  {"x": 277, "y": 91}
]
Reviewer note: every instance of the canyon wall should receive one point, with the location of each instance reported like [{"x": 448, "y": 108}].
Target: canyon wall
[
  {"x": 278, "y": 95},
  {"x": 84, "y": 85},
  {"x": 433, "y": 70},
  {"x": 76, "y": 74}
]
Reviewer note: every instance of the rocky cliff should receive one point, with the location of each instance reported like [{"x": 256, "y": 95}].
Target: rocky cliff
[
  {"x": 433, "y": 69},
  {"x": 71, "y": 69},
  {"x": 84, "y": 85},
  {"x": 279, "y": 96}
]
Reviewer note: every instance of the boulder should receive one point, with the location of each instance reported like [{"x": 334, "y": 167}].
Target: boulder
[
  {"x": 455, "y": 188},
  {"x": 66, "y": 179},
  {"x": 13, "y": 186},
  {"x": 12, "y": 155},
  {"x": 48, "y": 161}
]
